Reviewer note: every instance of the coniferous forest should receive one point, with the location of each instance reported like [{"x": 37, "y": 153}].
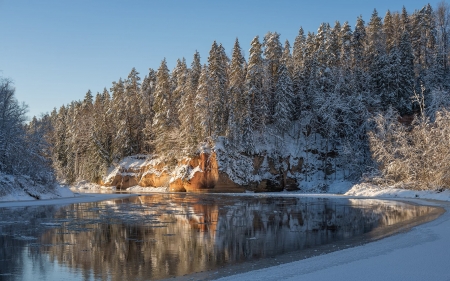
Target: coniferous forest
[{"x": 370, "y": 99}]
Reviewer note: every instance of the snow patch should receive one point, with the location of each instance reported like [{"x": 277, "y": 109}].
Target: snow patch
[
  {"x": 22, "y": 188},
  {"x": 137, "y": 188},
  {"x": 371, "y": 190}
]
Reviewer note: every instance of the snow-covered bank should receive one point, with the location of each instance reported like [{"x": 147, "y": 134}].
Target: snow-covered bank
[
  {"x": 22, "y": 188},
  {"x": 370, "y": 190},
  {"x": 77, "y": 198},
  {"x": 419, "y": 254},
  {"x": 88, "y": 187},
  {"x": 21, "y": 195}
]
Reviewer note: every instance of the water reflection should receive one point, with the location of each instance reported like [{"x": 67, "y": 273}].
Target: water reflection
[{"x": 166, "y": 235}]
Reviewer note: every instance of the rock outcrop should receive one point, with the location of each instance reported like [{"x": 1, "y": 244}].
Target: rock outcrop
[{"x": 204, "y": 174}]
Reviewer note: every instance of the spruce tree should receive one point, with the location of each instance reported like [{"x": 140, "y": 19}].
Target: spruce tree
[
  {"x": 254, "y": 87},
  {"x": 146, "y": 110},
  {"x": 189, "y": 128},
  {"x": 237, "y": 94},
  {"x": 406, "y": 75},
  {"x": 204, "y": 106},
  {"x": 358, "y": 44},
  {"x": 217, "y": 66},
  {"x": 272, "y": 53},
  {"x": 345, "y": 38},
  {"x": 287, "y": 59},
  {"x": 389, "y": 32},
  {"x": 163, "y": 121},
  {"x": 283, "y": 101},
  {"x": 298, "y": 78}
]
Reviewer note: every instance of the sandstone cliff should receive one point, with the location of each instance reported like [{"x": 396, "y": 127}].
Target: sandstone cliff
[{"x": 208, "y": 172}]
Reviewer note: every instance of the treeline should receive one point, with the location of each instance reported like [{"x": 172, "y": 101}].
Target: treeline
[
  {"x": 24, "y": 150},
  {"x": 328, "y": 84}
]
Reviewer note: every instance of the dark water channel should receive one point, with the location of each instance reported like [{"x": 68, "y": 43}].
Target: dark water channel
[{"x": 171, "y": 235}]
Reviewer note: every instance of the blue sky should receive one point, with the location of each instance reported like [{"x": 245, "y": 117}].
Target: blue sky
[{"x": 55, "y": 50}]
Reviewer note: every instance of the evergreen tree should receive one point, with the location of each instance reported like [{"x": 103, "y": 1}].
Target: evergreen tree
[
  {"x": 118, "y": 117},
  {"x": 298, "y": 50},
  {"x": 286, "y": 58},
  {"x": 146, "y": 109},
  {"x": 406, "y": 75},
  {"x": 375, "y": 38},
  {"x": 180, "y": 78},
  {"x": 254, "y": 87},
  {"x": 333, "y": 46},
  {"x": 217, "y": 66},
  {"x": 298, "y": 77},
  {"x": 389, "y": 31},
  {"x": 164, "y": 120},
  {"x": 358, "y": 44},
  {"x": 189, "y": 129},
  {"x": 238, "y": 96},
  {"x": 132, "y": 132},
  {"x": 345, "y": 38},
  {"x": 283, "y": 100},
  {"x": 405, "y": 21},
  {"x": 272, "y": 53},
  {"x": 204, "y": 106}
]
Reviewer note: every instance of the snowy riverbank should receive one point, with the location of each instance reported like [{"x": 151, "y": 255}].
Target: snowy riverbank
[{"x": 23, "y": 188}]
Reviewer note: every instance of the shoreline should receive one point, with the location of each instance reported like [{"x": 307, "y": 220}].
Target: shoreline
[
  {"x": 416, "y": 253},
  {"x": 399, "y": 255},
  {"x": 241, "y": 270},
  {"x": 77, "y": 198}
]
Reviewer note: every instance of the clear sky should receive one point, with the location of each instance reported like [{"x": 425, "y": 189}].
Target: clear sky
[{"x": 56, "y": 50}]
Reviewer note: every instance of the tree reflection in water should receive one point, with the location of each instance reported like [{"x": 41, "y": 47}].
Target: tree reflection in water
[{"x": 165, "y": 235}]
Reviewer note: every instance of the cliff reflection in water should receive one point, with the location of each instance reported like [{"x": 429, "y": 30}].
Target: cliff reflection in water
[{"x": 165, "y": 235}]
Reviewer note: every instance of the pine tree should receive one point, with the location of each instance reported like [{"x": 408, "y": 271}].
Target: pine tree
[
  {"x": 59, "y": 153},
  {"x": 429, "y": 35},
  {"x": 254, "y": 87},
  {"x": 217, "y": 66},
  {"x": 164, "y": 119},
  {"x": 286, "y": 58},
  {"x": 102, "y": 136},
  {"x": 118, "y": 116},
  {"x": 321, "y": 44},
  {"x": 358, "y": 44},
  {"x": 406, "y": 75},
  {"x": 298, "y": 78},
  {"x": 298, "y": 50},
  {"x": 333, "y": 46},
  {"x": 345, "y": 38},
  {"x": 132, "y": 133},
  {"x": 179, "y": 77},
  {"x": 204, "y": 106},
  {"x": 238, "y": 95},
  {"x": 405, "y": 21},
  {"x": 283, "y": 100},
  {"x": 375, "y": 38},
  {"x": 146, "y": 109},
  {"x": 389, "y": 31},
  {"x": 189, "y": 129},
  {"x": 272, "y": 53}
]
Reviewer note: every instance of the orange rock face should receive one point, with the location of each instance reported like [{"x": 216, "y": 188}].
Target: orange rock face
[{"x": 207, "y": 178}]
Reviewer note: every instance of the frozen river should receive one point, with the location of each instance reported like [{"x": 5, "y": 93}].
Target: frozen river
[{"x": 174, "y": 235}]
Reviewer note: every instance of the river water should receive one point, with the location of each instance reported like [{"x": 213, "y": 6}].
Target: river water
[{"x": 175, "y": 235}]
